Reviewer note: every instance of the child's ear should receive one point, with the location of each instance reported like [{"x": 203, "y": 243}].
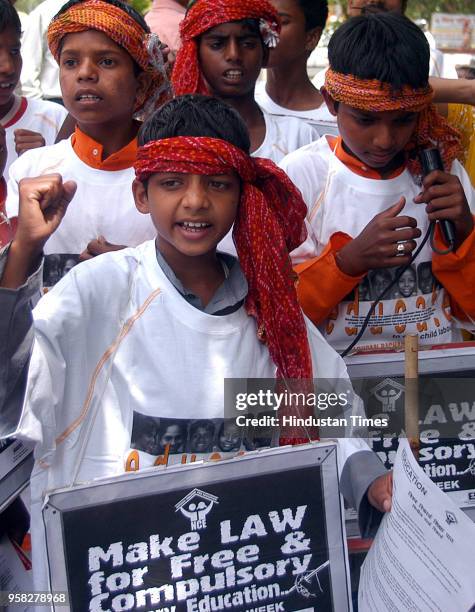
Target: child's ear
[
  {"x": 312, "y": 38},
  {"x": 140, "y": 196},
  {"x": 143, "y": 82},
  {"x": 329, "y": 101}
]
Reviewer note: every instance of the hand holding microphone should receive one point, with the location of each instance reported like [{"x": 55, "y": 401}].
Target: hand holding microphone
[{"x": 445, "y": 198}]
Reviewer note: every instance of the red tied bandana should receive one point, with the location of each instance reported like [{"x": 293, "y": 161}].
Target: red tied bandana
[
  {"x": 269, "y": 224},
  {"x": 373, "y": 95},
  {"x": 206, "y": 14}
]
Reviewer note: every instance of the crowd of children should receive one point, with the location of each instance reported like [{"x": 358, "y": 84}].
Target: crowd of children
[{"x": 163, "y": 164}]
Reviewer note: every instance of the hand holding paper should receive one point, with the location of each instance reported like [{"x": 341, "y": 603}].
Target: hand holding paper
[
  {"x": 423, "y": 556},
  {"x": 380, "y": 492}
]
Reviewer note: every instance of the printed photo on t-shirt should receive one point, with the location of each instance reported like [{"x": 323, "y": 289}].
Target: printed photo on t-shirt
[
  {"x": 201, "y": 435},
  {"x": 230, "y": 436},
  {"x": 426, "y": 281},
  {"x": 413, "y": 281},
  {"x": 407, "y": 283},
  {"x": 157, "y": 441},
  {"x": 152, "y": 434},
  {"x": 56, "y": 266},
  {"x": 364, "y": 290},
  {"x": 379, "y": 279},
  {"x": 264, "y": 436},
  {"x": 172, "y": 432},
  {"x": 415, "y": 303}
]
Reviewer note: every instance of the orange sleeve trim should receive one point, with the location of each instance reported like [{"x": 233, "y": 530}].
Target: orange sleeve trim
[
  {"x": 456, "y": 272},
  {"x": 459, "y": 257},
  {"x": 322, "y": 285}
]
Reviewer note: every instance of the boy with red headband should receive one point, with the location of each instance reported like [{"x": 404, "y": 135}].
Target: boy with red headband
[
  {"x": 111, "y": 68},
  {"x": 121, "y": 340},
  {"x": 368, "y": 206},
  {"x": 225, "y": 43}
]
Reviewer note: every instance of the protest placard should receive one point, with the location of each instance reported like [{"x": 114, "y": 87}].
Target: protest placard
[{"x": 261, "y": 532}]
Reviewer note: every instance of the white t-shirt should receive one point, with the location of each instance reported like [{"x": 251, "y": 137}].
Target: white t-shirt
[
  {"x": 40, "y": 72},
  {"x": 114, "y": 339},
  {"x": 319, "y": 118},
  {"x": 283, "y": 135},
  {"x": 35, "y": 115},
  {"x": 103, "y": 203},
  {"x": 339, "y": 200}
]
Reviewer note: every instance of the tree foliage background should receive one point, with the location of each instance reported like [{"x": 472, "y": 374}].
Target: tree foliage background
[
  {"x": 423, "y": 9},
  {"x": 28, "y": 5},
  {"x": 420, "y": 9}
]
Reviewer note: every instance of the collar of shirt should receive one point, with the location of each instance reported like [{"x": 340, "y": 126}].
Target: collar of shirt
[
  {"x": 356, "y": 165},
  {"x": 90, "y": 152},
  {"x": 15, "y": 113},
  {"x": 229, "y": 296}
]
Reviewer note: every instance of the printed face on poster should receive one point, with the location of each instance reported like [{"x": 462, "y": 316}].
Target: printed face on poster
[{"x": 256, "y": 532}]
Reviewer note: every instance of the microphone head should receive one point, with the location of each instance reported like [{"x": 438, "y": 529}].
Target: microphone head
[{"x": 430, "y": 160}]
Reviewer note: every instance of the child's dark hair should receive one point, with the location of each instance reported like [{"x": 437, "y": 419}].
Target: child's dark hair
[
  {"x": 196, "y": 115},
  {"x": 385, "y": 46},
  {"x": 122, "y": 5},
  {"x": 316, "y": 13},
  {"x": 9, "y": 17}
]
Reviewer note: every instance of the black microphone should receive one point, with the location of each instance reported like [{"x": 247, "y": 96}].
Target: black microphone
[{"x": 431, "y": 160}]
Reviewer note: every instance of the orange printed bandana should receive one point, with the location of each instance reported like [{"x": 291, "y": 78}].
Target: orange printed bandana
[
  {"x": 269, "y": 224},
  {"x": 119, "y": 26},
  {"x": 374, "y": 96}
]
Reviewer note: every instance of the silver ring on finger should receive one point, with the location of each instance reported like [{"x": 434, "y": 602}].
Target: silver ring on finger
[{"x": 400, "y": 248}]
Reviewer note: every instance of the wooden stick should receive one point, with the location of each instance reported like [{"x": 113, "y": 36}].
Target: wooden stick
[{"x": 411, "y": 379}]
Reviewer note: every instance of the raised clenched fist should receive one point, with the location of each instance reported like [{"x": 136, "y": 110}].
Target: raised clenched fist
[{"x": 43, "y": 204}]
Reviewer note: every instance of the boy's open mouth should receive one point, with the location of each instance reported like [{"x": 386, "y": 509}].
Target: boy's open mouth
[
  {"x": 6, "y": 85},
  {"x": 233, "y": 75},
  {"x": 87, "y": 97},
  {"x": 195, "y": 227}
]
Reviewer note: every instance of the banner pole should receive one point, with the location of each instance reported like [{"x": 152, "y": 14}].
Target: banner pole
[{"x": 411, "y": 380}]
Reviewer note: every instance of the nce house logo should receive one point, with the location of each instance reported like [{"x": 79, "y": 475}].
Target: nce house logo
[
  {"x": 387, "y": 392},
  {"x": 195, "y": 506}
]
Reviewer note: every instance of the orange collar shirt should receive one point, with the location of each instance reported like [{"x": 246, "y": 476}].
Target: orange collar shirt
[
  {"x": 103, "y": 204},
  {"x": 342, "y": 196}
]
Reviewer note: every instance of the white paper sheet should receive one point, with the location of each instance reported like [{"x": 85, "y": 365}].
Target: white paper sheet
[
  {"x": 14, "y": 578},
  {"x": 423, "y": 556}
]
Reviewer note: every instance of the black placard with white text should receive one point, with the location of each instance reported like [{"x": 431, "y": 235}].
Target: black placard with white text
[{"x": 248, "y": 543}]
